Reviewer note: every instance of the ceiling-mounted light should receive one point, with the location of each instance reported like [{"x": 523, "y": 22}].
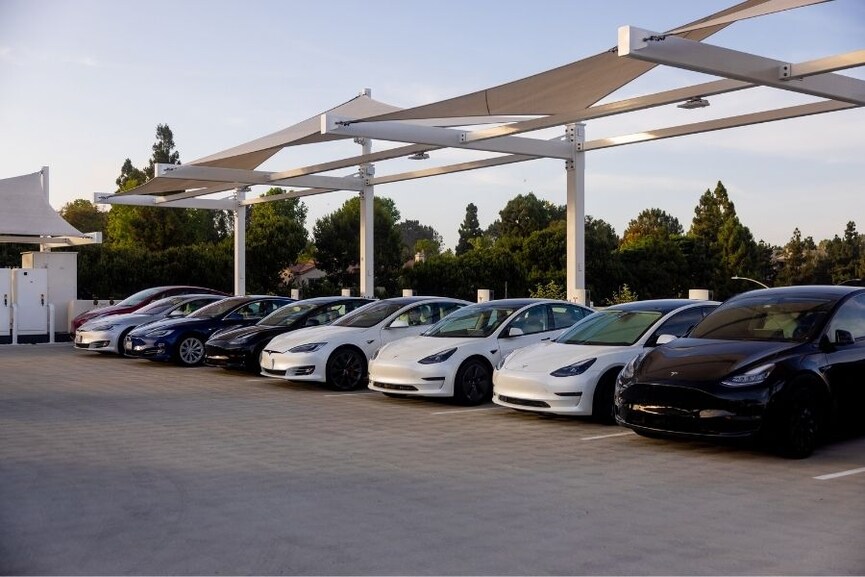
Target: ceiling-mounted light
[
  {"x": 693, "y": 103},
  {"x": 419, "y": 156}
]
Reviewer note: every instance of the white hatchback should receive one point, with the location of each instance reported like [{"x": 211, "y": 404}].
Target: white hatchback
[
  {"x": 456, "y": 357},
  {"x": 337, "y": 354},
  {"x": 576, "y": 373}
]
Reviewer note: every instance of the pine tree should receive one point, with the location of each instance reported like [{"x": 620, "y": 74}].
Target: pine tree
[{"x": 469, "y": 229}]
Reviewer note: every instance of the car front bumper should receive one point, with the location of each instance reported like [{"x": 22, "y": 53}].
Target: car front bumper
[
  {"x": 537, "y": 392},
  {"x": 717, "y": 411},
  {"x": 228, "y": 357},
  {"x": 99, "y": 341},
  {"x": 412, "y": 378},
  {"x": 307, "y": 367},
  {"x": 156, "y": 349}
]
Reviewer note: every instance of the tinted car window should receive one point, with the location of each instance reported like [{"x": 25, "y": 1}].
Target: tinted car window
[
  {"x": 761, "y": 319},
  {"x": 611, "y": 328},
  {"x": 680, "y": 323},
  {"x": 850, "y": 317},
  {"x": 566, "y": 315},
  {"x": 533, "y": 320}
]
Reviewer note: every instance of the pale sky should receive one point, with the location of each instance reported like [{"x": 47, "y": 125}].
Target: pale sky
[{"x": 83, "y": 84}]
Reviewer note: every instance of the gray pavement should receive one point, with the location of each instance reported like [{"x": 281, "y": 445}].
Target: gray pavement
[{"x": 116, "y": 466}]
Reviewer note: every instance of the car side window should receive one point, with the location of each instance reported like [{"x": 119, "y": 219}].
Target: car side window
[
  {"x": 849, "y": 317},
  {"x": 533, "y": 320},
  {"x": 565, "y": 315},
  {"x": 679, "y": 324}
]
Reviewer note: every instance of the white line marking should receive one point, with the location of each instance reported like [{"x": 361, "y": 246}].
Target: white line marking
[
  {"x": 841, "y": 474},
  {"x": 607, "y": 436},
  {"x": 457, "y": 411}
]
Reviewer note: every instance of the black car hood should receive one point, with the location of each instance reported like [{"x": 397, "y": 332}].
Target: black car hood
[
  {"x": 238, "y": 332},
  {"x": 698, "y": 360}
]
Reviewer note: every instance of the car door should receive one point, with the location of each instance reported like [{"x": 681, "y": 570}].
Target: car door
[
  {"x": 845, "y": 354},
  {"x": 527, "y": 327}
]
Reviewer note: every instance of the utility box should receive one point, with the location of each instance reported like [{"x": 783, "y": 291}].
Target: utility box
[
  {"x": 5, "y": 302},
  {"x": 485, "y": 295},
  {"x": 30, "y": 294},
  {"x": 62, "y": 270},
  {"x": 700, "y": 294}
]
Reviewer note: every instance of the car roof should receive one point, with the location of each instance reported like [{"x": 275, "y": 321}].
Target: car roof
[
  {"x": 834, "y": 292},
  {"x": 518, "y": 303},
  {"x": 660, "y": 305}
]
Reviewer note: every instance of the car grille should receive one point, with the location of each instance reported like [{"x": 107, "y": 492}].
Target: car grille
[
  {"x": 524, "y": 402},
  {"x": 393, "y": 387}
]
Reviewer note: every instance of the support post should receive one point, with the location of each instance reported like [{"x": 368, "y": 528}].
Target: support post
[
  {"x": 367, "y": 218},
  {"x": 240, "y": 241},
  {"x": 576, "y": 213}
]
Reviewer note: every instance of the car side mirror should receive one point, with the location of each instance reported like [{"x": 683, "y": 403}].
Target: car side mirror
[
  {"x": 843, "y": 337},
  {"x": 664, "y": 339},
  {"x": 398, "y": 324},
  {"x": 514, "y": 332}
]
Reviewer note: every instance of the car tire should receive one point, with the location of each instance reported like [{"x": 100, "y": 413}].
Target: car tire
[
  {"x": 799, "y": 426},
  {"x": 190, "y": 351},
  {"x": 473, "y": 383},
  {"x": 346, "y": 369},
  {"x": 121, "y": 350},
  {"x": 603, "y": 408}
]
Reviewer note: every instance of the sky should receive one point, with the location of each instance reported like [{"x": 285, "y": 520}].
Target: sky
[{"x": 84, "y": 83}]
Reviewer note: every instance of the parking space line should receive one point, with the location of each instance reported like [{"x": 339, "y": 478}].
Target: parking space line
[
  {"x": 840, "y": 474},
  {"x": 607, "y": 436},
  {"x": 456, "y": 411}
]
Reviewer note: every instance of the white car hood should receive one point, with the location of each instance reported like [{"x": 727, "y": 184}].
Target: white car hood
[
  {"x": 283, "y": 342},
  {"x": 549, "y": 356},
  {"x": 122, "y": 319},
  {"x": 416, "y": 348}
]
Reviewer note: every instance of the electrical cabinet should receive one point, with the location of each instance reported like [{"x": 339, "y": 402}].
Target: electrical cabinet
[
  {"x": 30, "y": 293},
  {"x": 62, "y": 281}
]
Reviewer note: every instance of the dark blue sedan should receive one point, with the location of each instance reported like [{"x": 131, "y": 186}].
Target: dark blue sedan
[{"x": 182, "y": 340}]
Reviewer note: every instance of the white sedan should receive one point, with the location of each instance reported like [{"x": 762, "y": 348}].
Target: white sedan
[
  {"x": 576, "y": 373},
  {"x": 337, "y": 354},
  {"x": 456, "y": 357},
  {"x": 106, "y": 334}
]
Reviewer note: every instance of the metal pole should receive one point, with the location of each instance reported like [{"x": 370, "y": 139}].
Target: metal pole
[
  {"x": 367, "y": 212},
  {"x": 576, "y": 213},
  {"x": 240, "y": 241}
]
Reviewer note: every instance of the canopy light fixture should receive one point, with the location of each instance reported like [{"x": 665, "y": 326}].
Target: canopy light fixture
[
  {"x": 693, "y": 103},
  {"x": 419, "y": 156}
]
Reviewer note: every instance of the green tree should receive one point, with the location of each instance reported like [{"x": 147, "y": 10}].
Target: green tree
[
  {"x": 411, "y": 232},
  {"x": 337, "y": 240},
  {"x": 799, "y": 260},
  {"x": 652, "y": 222},
  {"x": 275, "y": 235},
  {"x": 469, "y": 229},
  {"x": 84, "y": 215},
  {"x": 163, "y": 150},
  {"x": 525, "y": 214},
  {"x": 604, "y": 271}
]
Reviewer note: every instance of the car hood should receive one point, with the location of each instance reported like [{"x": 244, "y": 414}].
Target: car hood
[
  {"x": 706, "y": 359},
  {"x": 240, "y": 332},
  {"x": 417, "y": 347},
  {"x": 549, "y": 356},
  {"x": 118, "y": 319},
  {"x": 282, "y": 343},
  {"x": 105, "y": 311},
  {"x": 168, "y": 324}
]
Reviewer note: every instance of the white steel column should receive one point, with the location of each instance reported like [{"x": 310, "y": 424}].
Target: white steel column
[
  {"x": 576, "y": 210},
  {"x": 240, "y": 241},
  {"x": 367, "y": 218}
]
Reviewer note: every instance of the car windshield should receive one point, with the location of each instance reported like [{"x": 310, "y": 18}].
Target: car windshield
[
  {"x": 369, "y": 315},
  {"x": 217, "y": 309},
  {"x": 139, "y": 297},
  {"x": 162, "y": 305},
  {"x": 476, "y": 322},
  {"x": 610, "y": 328},
  {"x": 287, "y": 315},
  {"x": 782, "y": 319}
]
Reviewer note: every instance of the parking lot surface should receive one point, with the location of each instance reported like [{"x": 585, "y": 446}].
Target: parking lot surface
[{"x": 117, "y": 466}]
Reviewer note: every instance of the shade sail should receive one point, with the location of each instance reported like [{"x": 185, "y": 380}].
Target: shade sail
[
  {"x": 27, "y": 213},
  {"x": 577, "y": 86}
]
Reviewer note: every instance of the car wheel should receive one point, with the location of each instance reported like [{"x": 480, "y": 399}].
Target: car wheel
[
  {"x": 346, "y": 369},
  {"x": 603, "y": 409},
  {"x": 473, "y": 383},
  {"x": 121, "y": 350},
  {"x": 190, "y": 351},
  {"x": 800, "y": 425}
]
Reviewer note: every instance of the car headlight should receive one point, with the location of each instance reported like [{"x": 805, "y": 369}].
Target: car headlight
[
  {"x": 105, "y": 327},
  {"x": 574, "y": 369},
  {"x": 306, "y": 348},
  {"x": 438, "y": 357},
  {"x": 160, "y": 333},
  {"x": 755, "y": 376},
  {"x": 627, "y": 372}
]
